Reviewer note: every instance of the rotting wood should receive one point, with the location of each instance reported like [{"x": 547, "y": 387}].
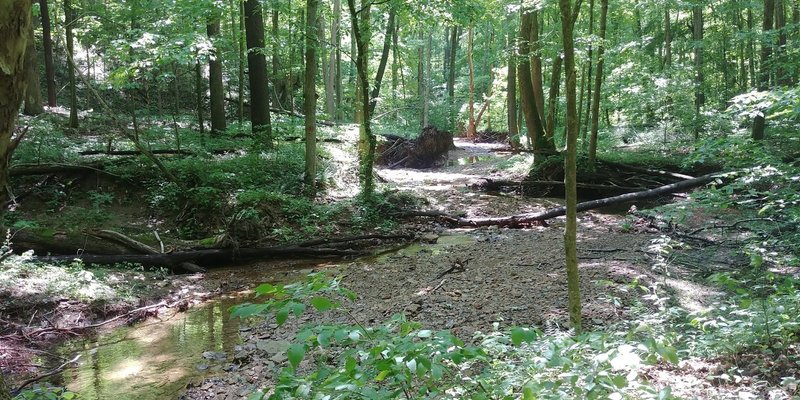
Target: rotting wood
[
  {"x": 516, "y": 221},
  {"x": 140, "y": 247}
]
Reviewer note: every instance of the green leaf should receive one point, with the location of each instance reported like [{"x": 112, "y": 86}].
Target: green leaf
[
  {"x": 522, "y": 335},
  {"x": 266, "y": 288},
  {"x": 350, "y": 364},
  {"x": 381, "y": 376},
  {"x": 297, "y": 308},
  {"x": 248, "y": 310},
  {"x": 282, "y": 315},
  {"x": 527, "y": 393},
  {"x": 322, "y": 304},
  {"x": 669, "y": 353},
  {"x": 324, "y": 338},
  {"x": 296, "y": 353}
]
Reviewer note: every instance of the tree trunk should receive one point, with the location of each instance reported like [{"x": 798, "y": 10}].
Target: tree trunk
[
  {"x": 330, "y": 73},
  {"x": 532, "y": 121},
  {"x": 360, "y": 25},
  {"x": 598, "y": 81},
  {"x": 47, "y": 45},
  {"x": 215, "y": 87},
  {"x": 536, "y": 67},
  {"x": 511, "y": 97},
  {"x": 782, "y": 76},
  {"x": 427, "y": 77},
  {"x": 310, "y": 96},
  {"x": 752, "y": 49},
  {"x": 451, "y": 78},
  {"x": 33, "y": 91},
  {"x": 240, "y": 41},
  {"x": 69, "y": 21},
  {"x": 552, "y": 99},
  {"x": 583, "y": 118},
  {"x": 257, "y": 65},
  {"x": 759, "y": 121},
  {"x": 199, "y": 94},
  {"x": 471, "y": 129},
  {"x": 699, "y": 94},
  {"x": 667, "y": 38},
  {"x": 15, "y": 21},
  {"x": 387, "y": 47},
  {"x": 570, "y": 168},
  {"x": 337, "y": 80}
]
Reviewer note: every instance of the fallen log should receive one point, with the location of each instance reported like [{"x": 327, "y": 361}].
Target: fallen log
[
  {"x": 48, "y": 169},
  {"x": 515, "y": 221},
  {"x": 499, "y": 185},
  {"x": 140, "y": 247},
  {"x": 206, "y": 257},
  {"x": 648, "y": 170},
  {"x": 429, "y": 149}
]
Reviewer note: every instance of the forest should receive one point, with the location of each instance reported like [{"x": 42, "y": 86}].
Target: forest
[{"x": 399, "y": 199}]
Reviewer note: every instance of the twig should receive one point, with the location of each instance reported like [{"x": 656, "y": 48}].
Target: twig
[
  {"x": 48, "y": 374},
  {"x": 161, "y": 243}
]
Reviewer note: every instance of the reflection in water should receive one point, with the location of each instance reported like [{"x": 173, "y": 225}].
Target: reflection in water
[{"x": 154, "y": 360}]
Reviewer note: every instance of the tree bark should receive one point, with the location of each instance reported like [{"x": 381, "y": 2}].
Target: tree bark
[
  {"x": 69, "y": 22},
  {"x": 257, "y": 65},
  {"x": 242, "y": 48},
  {"x": 532, "y": 121},
  {"x": 536, "y": 67},
  {"x": 471, "y": 129},
  {"x": 552, "y": 99},
  {"x": 337, "y": 17},
  {"x": 15, "y": 20},
  {"x": 699, "y": 94},
  {"x": 583, "y": 127},
  {"x": 511, "y": 97},
  {"x": 215, "y": 87},
  {"x": 33, "y": 91},
  {"x": 310, "y": 96},
  {"x": 667, "y": 38},
  {"x": 367, "y": 157},
  {"x": 451, "y": 78},
  {"x": 598, "y": 82},
  {"x": 782, "y": 76},
  {"x": 759, "y": 121},
  {"x": 570, "y": 168},
  {"x": 47, "y": 46},
  {"x": 427, "y": 77},
  {"x": 387, "y": 46}
]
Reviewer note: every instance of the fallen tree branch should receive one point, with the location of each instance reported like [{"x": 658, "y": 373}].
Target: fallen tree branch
[
  {"x": 136, "y": 245},
  {"x": 318, "y": 242},
  {"x": 515, "y": 221},
  {"x": 48, "y": 374}
]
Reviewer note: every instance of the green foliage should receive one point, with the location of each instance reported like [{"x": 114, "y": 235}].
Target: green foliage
[{"x": 46, "y": 392}]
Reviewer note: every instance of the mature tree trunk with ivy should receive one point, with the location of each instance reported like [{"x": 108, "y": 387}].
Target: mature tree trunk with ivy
[
  {"x": 69, "y": 21},
  {"x": 257, "y": 65},
  {"x": 310, "y": 95},
  {"x": 215, "y": 87},
  {"x": 15, "y": 20},
  {"x": 598, "y": 82},
  {"x": 570, "y": 231},
  {"x": 759, "y": 121}
]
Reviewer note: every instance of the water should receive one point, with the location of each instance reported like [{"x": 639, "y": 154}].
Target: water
[{"x": 468, "y": 160}]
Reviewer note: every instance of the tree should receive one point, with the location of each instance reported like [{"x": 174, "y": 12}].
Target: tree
[
  {"x": 697, "y": 36},
  {"x": 257, "y": 74},
  {"x": 47, "y": 45},
  {"x": 598, "y": 82},
  {"x": 759, "y": 121},
  {"x": 215, "y": 87},
  {"x": 33, "y": 92},
  {"x": 532, "y": 120},
  {"x": 511, "y": 99},
  {"x": 570, "y": 178},
  {"x": 69, "y": 22},
  {"x": 471, "y": 129},
  {"x": 310, "y": 95},
  {"x": 15, "y": 20}
]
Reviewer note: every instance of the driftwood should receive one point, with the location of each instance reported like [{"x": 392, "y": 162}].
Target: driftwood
[
  {"x": 140, "y": 247},
  {"x": 207, "y": 257},
  {"x": 515, "y": 221}
]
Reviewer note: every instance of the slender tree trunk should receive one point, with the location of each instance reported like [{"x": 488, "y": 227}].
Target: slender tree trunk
[
  {"x": 33, "y": 90},
  {"x": 752, "y": 47},
  {"x": 759, "y": 121},
  {"x": 471, "y": 129},
  {"x": 699, "y": 94},
  {"x": 552, "y": 100},
  {"x": 47, "y": 45},
  {"x": 598, "y": 81},
  {"x": 387, "y": 47},
  {"x": 330, "y": 73},
  {"x": 241, "y": 43},
  {"x": 426, "y": 96},
  {"x": 446, "y": 55},
  {"x": 451, "y": 78},
  {"x": 310, "y": 95},
  {"x": 782, "y": 76},
  {"x": 257, "y": 66},
  {"x": 536, "y": 66},
  {"x": 337, "y": 40},
  {"x": 532, "y": 121},
  {"x": 199, "y": 92},
  {"x": 15, "y": 24},
  {"x": 667, "y": 38},
  {"x": 361, "y": 37},
  {"x": 570, "y": 175},
  {"x": 69, "y": 21},
  {"x": 511, "y": 97},
  {"x": 583, "y": 118},
  {"x": 421, "y": 78},
  {"x": 395, "y": 63},
  {"x": 215, "y": 87}
]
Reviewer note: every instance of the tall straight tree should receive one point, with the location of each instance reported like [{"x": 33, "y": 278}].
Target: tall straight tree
[
  {"x": 570, "y": 167},
  {"x": 699, "y": 94},
  {"x": 33, "y": 91},
  {"x": 598, "y": 82},
  {"x": 532, "y": 120},
  {"x": 15, "y": 20},
  {"x": 257, "y": 66},
  {"x": 215, "y": 87},
  {"x": 47, "y": 46},
  {"x": 511, "y": 93},
  {"x": 471, "y": 129},
  {"x": 759, "y": 121},
  {"x": 69, "y": 22},
  {"x": 310, "y": 95},
  {"x": 359, "y": 19}
]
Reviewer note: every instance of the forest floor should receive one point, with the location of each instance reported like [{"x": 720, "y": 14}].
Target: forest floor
[
  {"x": 480, "y": 280},
  {"x": 464, "y": 280}
]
